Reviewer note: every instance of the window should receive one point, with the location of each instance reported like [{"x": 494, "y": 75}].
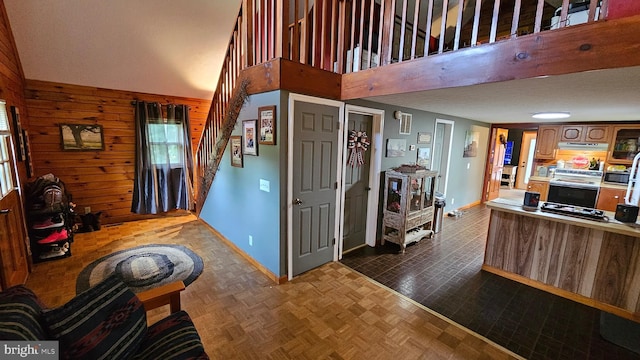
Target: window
[
  {"x": 6, "y": 177},
  {"x": 166, "y": 142}
]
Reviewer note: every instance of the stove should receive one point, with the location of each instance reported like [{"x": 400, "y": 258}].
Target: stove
[
  {"x": 575, "y": 211},
  {"x": 575, "y": 187},
  {"x": 577, "y": 177}
]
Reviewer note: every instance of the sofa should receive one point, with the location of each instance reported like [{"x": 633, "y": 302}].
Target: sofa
[{"x": 108, "y": 321}]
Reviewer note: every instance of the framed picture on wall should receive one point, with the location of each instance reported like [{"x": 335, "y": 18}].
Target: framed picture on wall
[
  {"x": 424, "y": 137},
  {"x": 81, "y": 137},
  {"x": 28, "y": 159},
  {"x": 424, "y": 157},
  {"x": 235, "y": 143},
  {"x": 267, "y": 121},
  {"x": 249, "y": 145},
  {"x": 396, "y": 147},
  {"x": 17, "y": 129}
]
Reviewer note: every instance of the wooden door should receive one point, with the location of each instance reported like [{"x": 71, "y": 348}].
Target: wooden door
[
  {"x": 541, "y": 187},
  {"x": 597, "y": 133},
  {"x": 13, "y": 253},
  {"x": 496, "y": 162},
  {"x": 527, "y": 149},
  {"x": 547, "y": 141},
  {"x": 315, "y": 156},
  {"x": 356, "y": 189},
  {"x": 609, "y": 198}
]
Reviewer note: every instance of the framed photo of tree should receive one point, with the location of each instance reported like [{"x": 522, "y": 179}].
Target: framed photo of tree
[{"x": 81, "y": 137}]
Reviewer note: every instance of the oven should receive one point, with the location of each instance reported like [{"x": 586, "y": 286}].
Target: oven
[
  {"x": 578, "y": 194},
  {"x": 575, "y": 187}
]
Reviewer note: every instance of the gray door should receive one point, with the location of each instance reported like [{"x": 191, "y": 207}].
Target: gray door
[
  {"x": 315, "y": 156},
  {"x": 356, "y": 189}
]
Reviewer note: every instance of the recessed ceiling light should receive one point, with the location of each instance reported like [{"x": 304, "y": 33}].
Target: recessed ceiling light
[{"x": 551, "y": 115}]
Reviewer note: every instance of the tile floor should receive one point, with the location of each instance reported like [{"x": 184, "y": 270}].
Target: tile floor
[{"x": 444, "y": 275}]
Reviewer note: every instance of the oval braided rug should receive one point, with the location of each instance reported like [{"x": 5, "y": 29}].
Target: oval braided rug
[{"x": 144, "y": 267}]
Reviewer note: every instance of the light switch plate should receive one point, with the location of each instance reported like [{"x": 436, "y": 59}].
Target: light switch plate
[{"x": 264, "y": 185}]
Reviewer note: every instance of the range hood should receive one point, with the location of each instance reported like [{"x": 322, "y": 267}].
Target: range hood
[{"x": 583, "y": 146}]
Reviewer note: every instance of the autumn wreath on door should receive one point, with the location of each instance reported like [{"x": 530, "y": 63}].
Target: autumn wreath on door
[{"x": 357, "y": 144}]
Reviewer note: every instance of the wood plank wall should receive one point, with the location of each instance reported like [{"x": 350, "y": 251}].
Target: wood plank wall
[
  {"x": 11, "y": 76},
  {"x": 102, "y": 180}
]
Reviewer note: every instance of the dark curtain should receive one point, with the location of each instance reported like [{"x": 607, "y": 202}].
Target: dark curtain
[{"x": 163, "y": 177}]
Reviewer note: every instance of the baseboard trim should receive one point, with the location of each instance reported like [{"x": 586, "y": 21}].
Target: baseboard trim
[{"x": 276, "y": 279}]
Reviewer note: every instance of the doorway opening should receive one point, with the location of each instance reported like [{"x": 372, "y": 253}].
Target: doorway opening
[
  {"x": 443, "y": 139},
  {"x": 361, "y": 180}
]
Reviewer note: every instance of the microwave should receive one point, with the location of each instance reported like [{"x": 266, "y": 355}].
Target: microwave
[{"x": 616, "y": 177}]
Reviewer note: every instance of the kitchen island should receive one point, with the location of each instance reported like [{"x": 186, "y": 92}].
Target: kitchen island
[{"x": 593, "y": 262}]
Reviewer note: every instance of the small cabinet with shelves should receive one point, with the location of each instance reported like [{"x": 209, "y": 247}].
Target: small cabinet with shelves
[
  {"x": 626, "y": 140},
  {"x": 547, "y": 141},
  {"x": 541, "y": 187},
  {"x": 50, "y": 219},
  {"x": 408, "y": 206}
]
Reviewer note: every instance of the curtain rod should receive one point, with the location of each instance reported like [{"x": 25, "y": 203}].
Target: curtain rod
[{"x": 134, "y": 102}]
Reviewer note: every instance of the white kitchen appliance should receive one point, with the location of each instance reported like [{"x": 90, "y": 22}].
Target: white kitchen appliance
[
  {"x": 575, "y": 187},
  {"x": 633, "y": 189},
  {"x": 578, "y": 13}
]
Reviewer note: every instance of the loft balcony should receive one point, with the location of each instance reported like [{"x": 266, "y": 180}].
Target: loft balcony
[{"x": 353, "y": 49}]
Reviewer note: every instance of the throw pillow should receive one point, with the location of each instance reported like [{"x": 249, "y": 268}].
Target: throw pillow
[
  {"x": 20, "y": 315},
  {"x": 106, "y": 321}
]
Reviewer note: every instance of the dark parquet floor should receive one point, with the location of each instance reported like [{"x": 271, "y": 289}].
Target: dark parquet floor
[{"x": 444, "y": 274}]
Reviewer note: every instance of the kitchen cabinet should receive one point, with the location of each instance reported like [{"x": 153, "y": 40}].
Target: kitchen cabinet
[
  {"x": 408, "y": 206},
  {"x": 585, "y": 133},
  {"x": 541, "y": 187},
  {"x": 624, "y": 144},
  {"x": 608, "y": 198},
  {"x": 547, "y": 141}
]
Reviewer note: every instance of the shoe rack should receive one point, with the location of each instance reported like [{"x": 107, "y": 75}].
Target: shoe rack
[{"x": 50, "y": 225}]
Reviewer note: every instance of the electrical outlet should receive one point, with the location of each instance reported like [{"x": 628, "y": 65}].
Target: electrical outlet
[
  {"x": 250, "y": 240},
  {"x": 87, "y": 209},
  {"x": 452, "y": 201}
]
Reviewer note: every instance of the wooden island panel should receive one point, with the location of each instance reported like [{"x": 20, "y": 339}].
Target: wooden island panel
[{"x": 588, "y": 265}]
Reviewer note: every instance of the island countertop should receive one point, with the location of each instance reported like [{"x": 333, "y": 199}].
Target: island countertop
[
  {"x": 592, "y": 262},
  {"x": 610, "y": 225}
]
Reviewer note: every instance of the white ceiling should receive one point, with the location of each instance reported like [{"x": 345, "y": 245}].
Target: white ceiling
[
  {"x": 166, "y": 47},
  {"x": 176, "y": 48}
]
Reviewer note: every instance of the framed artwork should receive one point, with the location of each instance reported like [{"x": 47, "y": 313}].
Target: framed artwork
[
  {"x": 396, "y": 147},
  {"x": 17, "y": 129},
  {"x": 236, "y": 151},
  {"x": 424, "y": 157},
  {"x": 28, "y": 159},
  {"x": 249, "y": 145},
  {"x": 424, "y": 137},
  {"x": 267, "y": 121},
  {"x": 81, "y": 137},
  {"x": 471, "y": 144}
]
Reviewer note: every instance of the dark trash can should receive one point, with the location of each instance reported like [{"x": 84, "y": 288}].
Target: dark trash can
[{"x": 438, "y": 212}]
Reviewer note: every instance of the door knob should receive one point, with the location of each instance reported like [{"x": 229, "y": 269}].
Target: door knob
[
  {"x": 5, "y": 211},
  {"x": 367, "y": 188},
  {"x": 297, "y": 201}
]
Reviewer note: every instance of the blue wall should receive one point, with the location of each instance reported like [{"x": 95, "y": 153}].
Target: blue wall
[
  {"x": 464, "y": 185},
  {"x": 237, "y": 208}
]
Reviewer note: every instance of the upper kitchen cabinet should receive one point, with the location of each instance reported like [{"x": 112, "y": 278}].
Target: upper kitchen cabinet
[
  {"x": 585, "y": 133},
  {"x": 547, "y": 141},
  {"x": 626, "y": 139}
]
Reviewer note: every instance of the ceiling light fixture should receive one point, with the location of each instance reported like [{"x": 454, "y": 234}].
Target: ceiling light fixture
[{"x": 551, "y": 115}]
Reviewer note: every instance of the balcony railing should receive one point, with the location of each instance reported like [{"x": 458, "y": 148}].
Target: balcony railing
[{"x": 344, "y": 36}]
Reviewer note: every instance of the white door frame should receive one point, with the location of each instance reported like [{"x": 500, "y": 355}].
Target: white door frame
[
  {"x": 435, "y": 130},
  {"x": 314, "y": 100},
  {"x": 376, "y": 147}
]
